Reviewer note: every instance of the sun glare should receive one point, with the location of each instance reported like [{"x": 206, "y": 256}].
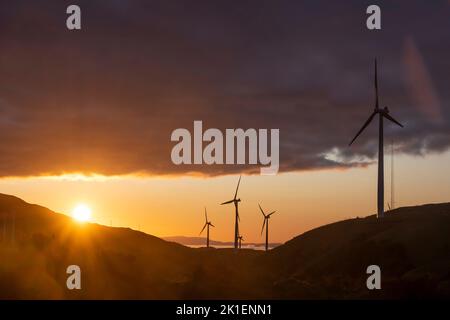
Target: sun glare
[{"x": 81, "y": 213}]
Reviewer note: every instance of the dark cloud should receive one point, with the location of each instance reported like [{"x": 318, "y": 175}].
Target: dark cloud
[{"x": 106, "y": 99}]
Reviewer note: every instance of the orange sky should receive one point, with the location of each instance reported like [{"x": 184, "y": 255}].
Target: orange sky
[{"x": 174, "y": 206}]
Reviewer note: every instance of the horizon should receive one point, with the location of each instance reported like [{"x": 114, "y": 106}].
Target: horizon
[
  {"x": 219, "y": 243},
  {"x": 82, "y": 189}
]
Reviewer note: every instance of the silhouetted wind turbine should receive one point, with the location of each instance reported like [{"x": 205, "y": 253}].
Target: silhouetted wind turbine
[
  {"x": 207, "y": 225},
  {"x": 236, "y": 205},
  {"x": 241, "y": 238},
  {"x": 382, "y": 113},
  {"x": 266, "y": 224}
]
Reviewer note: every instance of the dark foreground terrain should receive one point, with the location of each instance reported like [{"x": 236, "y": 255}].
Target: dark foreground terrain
[{"x": 411, "y": 245}]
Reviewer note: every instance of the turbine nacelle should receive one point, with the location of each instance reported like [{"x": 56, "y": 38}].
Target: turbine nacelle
[
  {"x": 383, "y": 111},
  {"x": 235, "y": 200},
  {"x": 207, "y": 223},
  {"x": 266, "y": 217}
]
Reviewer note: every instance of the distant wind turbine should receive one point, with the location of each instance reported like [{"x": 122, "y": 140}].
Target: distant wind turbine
[
  {"x": 266, "y": 224},
  {"x": 236, "y": 201},
  {"x": 240, "y": 238},
  {"x": 382, "y": 113},
  {"x": 207, "y": 225}
]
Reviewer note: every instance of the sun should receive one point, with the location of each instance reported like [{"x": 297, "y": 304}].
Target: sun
[{"x": 81, "y": 213}]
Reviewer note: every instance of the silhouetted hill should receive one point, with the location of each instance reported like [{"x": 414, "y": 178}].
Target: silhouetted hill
[
  {"x": 411, "y": 245},
  {"x": 115, "y": 262}
]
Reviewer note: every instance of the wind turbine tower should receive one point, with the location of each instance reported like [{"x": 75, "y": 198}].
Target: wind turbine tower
[
  {"x": 236, "y": 201},
  {"x": 266, "y": 224}
]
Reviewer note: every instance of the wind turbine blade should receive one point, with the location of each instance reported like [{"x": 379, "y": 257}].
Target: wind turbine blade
[
  {"x": 206, "y": 216},
  {"x": 264, "y": 223},
  {"x": 262, "y": 211},
  {"x": 376, "y": 84},
  {"x": 363, "y": 127},
  {"x": 203, "y": 228},
  {"x": 271, "y": 213},
  {"x": 227, "y": 202},
  {"x": 387, "y": 116},
  {"x": 211, "y": 225},
  {"x": 235, "y": 195}
]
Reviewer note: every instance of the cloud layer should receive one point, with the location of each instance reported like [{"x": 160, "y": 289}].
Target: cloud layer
[{"x": 106, "y": 99}]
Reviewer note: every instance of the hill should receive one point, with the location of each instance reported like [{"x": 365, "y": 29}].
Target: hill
[{"x": 411, "y": 245}]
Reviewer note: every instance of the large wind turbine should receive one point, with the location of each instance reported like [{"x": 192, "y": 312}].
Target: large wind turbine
[
  {"x": 266, "y": 224},
  {"x": 382, "y": 113},
  {"x": 207, "y": 225},
  {"x": 236, "y": 205}
]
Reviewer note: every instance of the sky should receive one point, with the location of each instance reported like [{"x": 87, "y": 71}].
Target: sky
[{"x": 86, "y": 116}]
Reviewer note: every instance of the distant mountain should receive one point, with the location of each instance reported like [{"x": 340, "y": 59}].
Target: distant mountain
[
  {"x": 411, "y": 246},
  {"x": 200, "y": 241}
]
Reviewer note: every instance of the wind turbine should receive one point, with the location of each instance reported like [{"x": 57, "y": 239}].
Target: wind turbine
[
  {"x": 240, "y": 238},
  {"x": 207, "y": 225},
  {"x": 237, "y": 219},
  {"x": 266, "y": 224},
  {"x": 382, "y": 113}
]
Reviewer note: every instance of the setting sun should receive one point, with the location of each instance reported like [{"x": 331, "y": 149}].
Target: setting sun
[{"x": 81, "y": 213}]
